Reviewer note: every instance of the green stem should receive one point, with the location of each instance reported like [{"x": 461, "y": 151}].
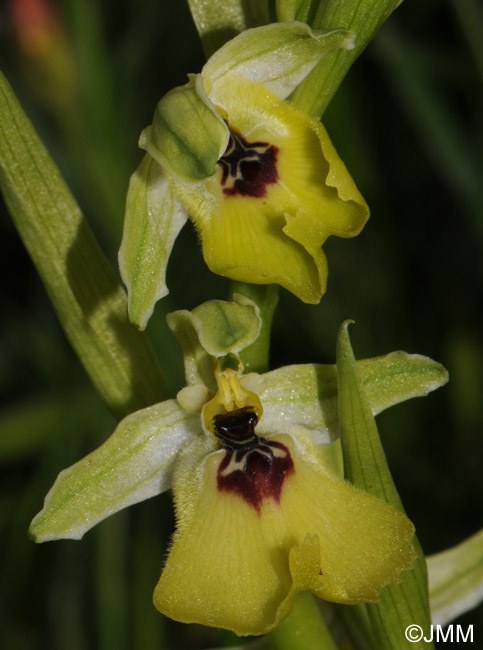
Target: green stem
[
  {"x": 256, "y": 356},
  {"x": 220, "y": 20},
  {"x": 364, "y": 18},
  {"x": 304, "y": 628}
]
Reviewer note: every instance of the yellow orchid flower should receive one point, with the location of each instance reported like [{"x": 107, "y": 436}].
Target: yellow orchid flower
[
  {"x": 260, "y": 513},
  {"x": 279, "y": 191},
  {"x": 260, "y": 517},
  {"x": 260, "y": 179}
]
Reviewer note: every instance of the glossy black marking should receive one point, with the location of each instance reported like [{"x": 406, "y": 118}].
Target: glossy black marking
[
  {"x": 236, "y": 428},
  {"x": 253, "y": 467},
  {"x": 248, "y": 167}
]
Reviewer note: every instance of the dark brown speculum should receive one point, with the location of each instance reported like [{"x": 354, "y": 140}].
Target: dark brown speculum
[
  {"x": 248, "y": 167},
  {"x": 253, "y": 467}
]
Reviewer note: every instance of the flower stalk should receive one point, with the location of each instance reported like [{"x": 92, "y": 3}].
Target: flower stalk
[
  {"x": 304, "y": 628},
  {"x": 255, "y": 357}
]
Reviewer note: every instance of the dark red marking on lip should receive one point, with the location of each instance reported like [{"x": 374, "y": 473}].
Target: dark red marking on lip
[
  {"x": 253, "y": 467},
  {"x": 261, "y": 475},
  {"x": 248, "y": 167}
]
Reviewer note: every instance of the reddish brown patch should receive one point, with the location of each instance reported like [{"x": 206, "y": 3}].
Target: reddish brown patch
[
  {"x": 248, "y": 167},
  {"x": 258, "y": 471}
]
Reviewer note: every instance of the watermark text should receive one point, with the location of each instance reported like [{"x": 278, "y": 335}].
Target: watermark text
[{"x": 449, "y": 634}]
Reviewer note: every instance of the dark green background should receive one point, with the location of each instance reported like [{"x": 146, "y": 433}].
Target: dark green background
[{"x": 408, "y": 122}]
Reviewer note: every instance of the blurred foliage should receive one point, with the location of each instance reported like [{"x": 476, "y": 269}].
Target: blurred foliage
[{"x": 408, "y": 123}]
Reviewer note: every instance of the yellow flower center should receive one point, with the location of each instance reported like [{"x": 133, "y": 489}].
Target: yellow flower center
[{"x": 230, "y": 397}]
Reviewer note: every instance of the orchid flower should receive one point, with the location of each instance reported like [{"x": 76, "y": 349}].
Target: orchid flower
[
  {"x": 260, "y": 179},
  {"x": 261, "y": 512}
]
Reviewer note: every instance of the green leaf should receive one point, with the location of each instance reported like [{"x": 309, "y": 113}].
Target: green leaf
[
  {"x": 279, "y": 55},
  {"x": 308, "y": 393},
  {"x": 134, "y": 464},
  {"x": 363, "y": 18},
  {"x": 456, "y": 579},
  {"x": 219, "y": 20},
  {"x": 152, "y": 222},
  {"x": 365, "y": 465},
  {"x": 89, "y": 301},
  {"x": 187, "y": 136},
  {"x": 212, "y": 330}
]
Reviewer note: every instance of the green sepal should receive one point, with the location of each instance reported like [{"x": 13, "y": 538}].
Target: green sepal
[
  {"x": 456, "y": 579},
  {"x": 134, "y": 464},
  {"x": 152, "y": 222},
  {"x": 309, "y": 392},
  {"x": 279, "y": 55},
  {"x": 212, "y": 330},
  {"x": 365, "y": 465},
  {"x": 398, "y": 376},
  {"x": 187, "y": 136}
]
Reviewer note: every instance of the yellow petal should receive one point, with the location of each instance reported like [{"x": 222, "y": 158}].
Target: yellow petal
[
  {"x": 365, "y": 543},
  {"x": 220, "y": 570},
  {"x": 242, "y": 238},
  {"x": 237, "y": 567},
  {"x": 276, "y": 237}
]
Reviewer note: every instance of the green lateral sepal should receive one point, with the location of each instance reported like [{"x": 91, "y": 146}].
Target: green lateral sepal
[
  {"x": 134, "y": 464},
  {"x": 153, "y": 220},
  {"x": 308, "y": 392}
]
